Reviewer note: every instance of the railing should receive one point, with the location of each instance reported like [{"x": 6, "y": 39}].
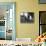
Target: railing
[{"x": 16, "y": 43}]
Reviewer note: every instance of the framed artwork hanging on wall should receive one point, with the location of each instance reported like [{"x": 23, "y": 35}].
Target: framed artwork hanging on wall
[
  {"x": 42, "y": 1},
  {"x": 27, "y": 17}
]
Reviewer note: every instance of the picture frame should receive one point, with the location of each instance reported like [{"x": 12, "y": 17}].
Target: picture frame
[
  {"x": 42, "y": 1},
  {"x": 27, "y": 17}
]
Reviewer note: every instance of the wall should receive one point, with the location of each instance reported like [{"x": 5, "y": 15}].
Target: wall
[{"x": 27, "y": 30}]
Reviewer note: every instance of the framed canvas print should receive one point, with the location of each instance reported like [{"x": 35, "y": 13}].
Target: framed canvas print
[
  {"x": 42, "y": 1},
  {"x": 7, "y": 20},
  {"x": 27, "y": 17}
]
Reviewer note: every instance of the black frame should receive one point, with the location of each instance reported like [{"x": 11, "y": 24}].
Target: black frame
[
  {"x": 23, "y": 19},
  {"x": 39, "y": 20},
  {"x": 41, "y": 2}
]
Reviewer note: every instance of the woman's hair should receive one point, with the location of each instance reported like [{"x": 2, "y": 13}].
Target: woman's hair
[{"x": 44, "y": 34}]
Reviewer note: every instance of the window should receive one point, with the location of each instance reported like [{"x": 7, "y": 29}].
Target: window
[
  {"x": 7, "y": 21},
  {"x": 42, "y": 22}
]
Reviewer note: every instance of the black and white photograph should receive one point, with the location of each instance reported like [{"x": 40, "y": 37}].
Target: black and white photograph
[{"x": 27, "y": 17}]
